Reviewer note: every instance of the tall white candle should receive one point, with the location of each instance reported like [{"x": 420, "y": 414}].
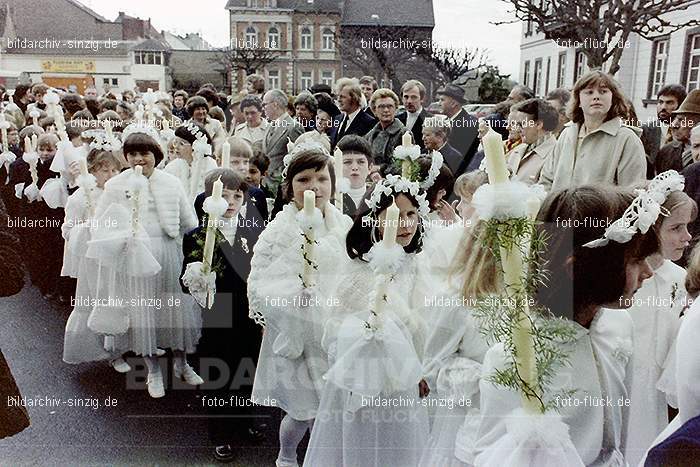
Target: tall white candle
[
  {"x": 495, "y": 157},
  {"x": 138, "y": 170},
  {"x": 217, "y": 190},
  {"x": 338, "y": 160},
  {"x": 226, "y": 155},
  {"x": 391, "y": 224},
  {"x": 406, "y": 139},
  {"x": 83, "y": 166},
  {"x": 309, "y": 207}
]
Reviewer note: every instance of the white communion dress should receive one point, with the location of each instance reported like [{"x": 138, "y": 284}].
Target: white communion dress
[
  {"x": 371, "y": 413},
  {"x": 80, "y": 344},
  {"x": 656, "y": 316},
  {"x": 158, "y": 313},
  {"x": 186, "y": 173},
  {"x": 595, "y": 414},
  {"x": 292, "y": 363}
]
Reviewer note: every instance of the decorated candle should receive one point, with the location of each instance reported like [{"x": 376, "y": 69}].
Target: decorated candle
[
  {"x": 391, "y": 224},
  {"x": 84, "y": 167},
  {"x": 226, "y": 155},
  {"x": 309, "y": 207},
  {"x": 27, "y": 144},
  {"x": 495, "y": 157},
  {"x": 138, "y": 170},
  {"x": 406, "y": 139},
  {"x": 217, "y": 190},
  {"x": 338, "y": 161}
]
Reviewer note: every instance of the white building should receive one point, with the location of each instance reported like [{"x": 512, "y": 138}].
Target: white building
[{"x": 645, "y": 65}]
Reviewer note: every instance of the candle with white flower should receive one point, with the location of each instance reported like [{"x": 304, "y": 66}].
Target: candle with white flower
[
  {"x": 226, "y": 155},
  {"x": 338, "y": 166},
  {"x": 405, "y": 142},
  {"x": 34, "y": 113}
]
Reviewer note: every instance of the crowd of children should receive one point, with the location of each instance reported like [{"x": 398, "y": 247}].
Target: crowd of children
[{"x": 364, "y": 336}]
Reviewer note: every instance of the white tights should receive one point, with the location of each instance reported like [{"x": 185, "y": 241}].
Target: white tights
[
  {"x": 291, "y": 433},
  {"x": 179, "y": 360}
]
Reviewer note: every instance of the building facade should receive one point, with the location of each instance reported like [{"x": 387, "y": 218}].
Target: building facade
[
  {"x": 301, "y": 33},
  {"x": 645, "y": 66}
]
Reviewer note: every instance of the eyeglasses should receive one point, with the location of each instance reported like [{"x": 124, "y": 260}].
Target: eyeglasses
[{"x": 386, "y": 107}]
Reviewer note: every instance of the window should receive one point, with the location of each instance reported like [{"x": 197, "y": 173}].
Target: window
[
  {"x": 273, "y": 79},
  {"x": 659, "y": 60},
  {"x": 147, "y": 58},
  {"x": 526, "y": 74},
  {"x": 546, "y": 79},
  {"x": 251, "y": 37},
  {"x": 537, "y": 80},
  {"x": 112, "y": 81},
  {"x": 273, "y": 38},
  {"x": 305, "y": 39},
  {"x": 580, "y": 65},
  {"x": 561, "y": 69},
  {"x": 694, "y": 63},
  {"x": 327, "y": 78},
  {"x": 327, "y": 39},
  {"x": 305, "y": 80},
  {"x": 528, "y": 28}
]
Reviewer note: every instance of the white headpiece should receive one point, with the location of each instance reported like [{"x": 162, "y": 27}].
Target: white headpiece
[
  {"x": 140, "y": 127},
  {"x": 644, "y": 210},
  {"x": 103, "y": 141},
  {"x": 299, "y": 147},
  {"x": 435, "y": 166},
  {"x": 394, "y": 184}
]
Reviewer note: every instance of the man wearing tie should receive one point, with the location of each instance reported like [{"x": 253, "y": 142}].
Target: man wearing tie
[
  {"x": 656, "y": 134},
  {"x": 352, "y": 120},
  {"x": 281, "y": 129},
  {"x": 412, "y": 95},
  {"x": 464, "y": 135}
]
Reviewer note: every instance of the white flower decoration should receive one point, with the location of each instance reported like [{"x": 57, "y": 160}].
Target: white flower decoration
[
  {"x": 201, "y": 147},
  {"x": 394, "y": 184}
]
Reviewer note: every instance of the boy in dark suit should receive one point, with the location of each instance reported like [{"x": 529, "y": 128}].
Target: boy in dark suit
[{"x": 228, "y": 350}]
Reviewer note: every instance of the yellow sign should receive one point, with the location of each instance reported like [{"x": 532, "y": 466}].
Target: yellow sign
[{"x": 68, "y": 66}]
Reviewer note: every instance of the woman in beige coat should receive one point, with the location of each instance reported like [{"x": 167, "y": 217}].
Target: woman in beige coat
[{"x": 596, "y": 146}]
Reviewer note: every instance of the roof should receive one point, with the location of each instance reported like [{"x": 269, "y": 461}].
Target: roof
[
  {"x": 59, "y": 19},
  {"x": 150, "y": 44},
  {"x": 301, "y": 6},
  {"x": 416, "y": 13}
]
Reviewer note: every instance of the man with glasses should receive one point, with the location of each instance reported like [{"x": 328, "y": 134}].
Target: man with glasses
[{"x": 281, "y": 129}]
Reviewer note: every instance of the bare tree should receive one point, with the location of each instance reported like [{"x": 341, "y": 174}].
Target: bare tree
[
  {"x": 456, "y": 65},
  {"x": 383, "y": 51},
  {"x": 600, "y": 28},
  {"x": 248, "y": 59}
]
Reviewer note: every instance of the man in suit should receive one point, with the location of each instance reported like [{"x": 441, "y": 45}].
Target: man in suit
[
  {"x": 412, "y": 95},
  {"x": 464, "y": 134},
  {"x": 656, "y": 134},
  {"x": 352, "y": 120},
  {"x": 281, "y": 129},
  {"x": 368, "y": 85}
]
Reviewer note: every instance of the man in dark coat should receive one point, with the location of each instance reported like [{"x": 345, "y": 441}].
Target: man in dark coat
[
  {"x": 413, "y": 115},
  {"x": 352, "y": 120},
  {"x": 656, "y": 134},
  {"x": 228, "y": 350},
  {"x": 464, "y": 134}
]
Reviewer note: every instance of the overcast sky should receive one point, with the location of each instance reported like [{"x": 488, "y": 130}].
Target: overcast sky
[{"x": 457, "y": 22}]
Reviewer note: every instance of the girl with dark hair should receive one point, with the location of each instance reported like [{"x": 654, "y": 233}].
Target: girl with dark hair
[
  {"x": 348, "y": 430},
  {"x": 595, "y": 273},
  {"x": 140, "y": 302},
  {"x": 597, "y": 146},
  {"x": 292, "y": 362}
]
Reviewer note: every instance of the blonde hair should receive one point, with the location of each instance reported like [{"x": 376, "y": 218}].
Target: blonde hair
[
  {"x": 674, "y": 200},
  {"x": 466, "y": 184},
  {"x": 381, "y": 93},
  {"x": 475, "y": 264}
]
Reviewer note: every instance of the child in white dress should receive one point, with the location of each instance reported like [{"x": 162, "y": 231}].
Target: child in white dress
[
  {"x": 292, "y": 363},
  {"x": 80, "y": 344},
  {"x": 371, "y": 411},
  {"x": 588, "y": 273},
  {"x": 193, "y": 146},
  {"x": 148, "y": 309},
  {"x": 655, "y": 312}
]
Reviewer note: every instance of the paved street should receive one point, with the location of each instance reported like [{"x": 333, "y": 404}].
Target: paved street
[{"x": 136, "y": 430}]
